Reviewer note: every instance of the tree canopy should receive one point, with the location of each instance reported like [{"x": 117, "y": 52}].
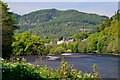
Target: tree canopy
[
  {"x": 8, "y": 28},
  {"x": 106, "y": 40},
  {"x": 27, "y": 44}
]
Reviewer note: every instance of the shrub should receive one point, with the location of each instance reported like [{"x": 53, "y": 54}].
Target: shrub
[
  {"x": 59, "y": 50},
  {"x": 27, "y": 71},
  {"x": 69, "y": 51}
]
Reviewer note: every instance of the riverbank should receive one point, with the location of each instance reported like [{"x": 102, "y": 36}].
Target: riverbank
[
  {"x": 101, "y": 54},
  {"x": 54, "y": 57}
]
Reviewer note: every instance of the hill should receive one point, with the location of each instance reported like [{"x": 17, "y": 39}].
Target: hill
[
  {"x": 106, "y": 39},
  {"x": 56, "y": 23},
  {"x": 16, "y": 16}
]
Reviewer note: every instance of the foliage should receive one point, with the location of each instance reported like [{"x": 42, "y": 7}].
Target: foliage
[
  {"x": 82, "y": 46},
  {"x": 73, "y": 47},
  {"x": 81, "y": 36},
  {"x": 56, "y": 23},
  {"x": 47, "y": 39},
  {"x": 96, "y": 74},
  {"x": 68, "y": 50},
  {"x": 104, "y": 24},
  {"x": 57, "y": 50},
  {"x": 27, "y": 71},
  {"x": 61, "y": 48},
  {"x": 8, "y": 28},
  {"x": 105, "y": 40},
  {"x": 47, "y": 49},
  {"x": 16, "y": 16},
  {"x": 27, "y": 44}
]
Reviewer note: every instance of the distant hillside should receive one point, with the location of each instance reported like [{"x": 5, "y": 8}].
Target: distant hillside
[
  {"x": 106, "y": 40},
  {"x": 55, "y": 23},
  {"x": 16, "y": 16}
]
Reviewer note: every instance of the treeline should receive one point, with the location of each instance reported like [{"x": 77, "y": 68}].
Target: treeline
[{"x": 30, "y": 44}]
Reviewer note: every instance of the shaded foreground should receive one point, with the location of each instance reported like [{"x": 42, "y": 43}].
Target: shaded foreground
[{"x": 20, "y": 70}]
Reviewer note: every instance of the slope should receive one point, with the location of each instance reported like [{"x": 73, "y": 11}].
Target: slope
[
  {"x": 106, "y": 39},
  {"x": 55, "y": 23}
]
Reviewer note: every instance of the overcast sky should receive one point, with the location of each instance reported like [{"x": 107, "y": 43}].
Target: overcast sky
[{"x": 101, "y": 8}]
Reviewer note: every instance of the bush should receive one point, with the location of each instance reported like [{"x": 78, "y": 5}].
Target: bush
[
  {"x": 47, "y": 49},
  {"x": 69, "y": 51},
  {"x": 59, "y": 50},
  {"x": 27, "y": 71}
]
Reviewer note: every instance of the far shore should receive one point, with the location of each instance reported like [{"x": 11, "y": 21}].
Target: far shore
[
  {"x": 97, "y": 54},
  {"x": 115, "y": 55}
]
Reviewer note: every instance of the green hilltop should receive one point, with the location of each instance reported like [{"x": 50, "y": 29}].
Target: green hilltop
[{"x": 56, "y": 23}]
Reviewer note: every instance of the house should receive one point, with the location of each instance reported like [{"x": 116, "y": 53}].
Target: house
[
  {"x": 60, "y": 42},
  {"x": 69, "y": 41},
  {"x": 66, "y": 41}
]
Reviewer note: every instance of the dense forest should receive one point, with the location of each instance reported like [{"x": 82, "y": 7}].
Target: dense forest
[{"x": 56, "y": 23}]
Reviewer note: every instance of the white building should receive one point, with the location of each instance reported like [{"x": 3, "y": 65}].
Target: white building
[{"x": 60, "y": 42}]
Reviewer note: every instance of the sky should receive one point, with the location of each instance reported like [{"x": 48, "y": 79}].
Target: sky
[
  {"x": 61, "y": 0},
  {"x": 101, "y": 8}
]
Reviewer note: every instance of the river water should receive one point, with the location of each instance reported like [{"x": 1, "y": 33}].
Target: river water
[{"x": 107, "y": 65}]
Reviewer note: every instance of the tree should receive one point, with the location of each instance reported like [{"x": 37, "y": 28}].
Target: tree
[
  {"x": 47, "y": 49},
  {"x": 74, "y": 47},
  {"x": 59, "y": 50},
  {"x": 7, "y": 30},
  {"x": 27, "y": 44}
]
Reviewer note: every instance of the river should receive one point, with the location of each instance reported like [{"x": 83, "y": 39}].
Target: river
[{"x": 107, "y": 65}]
